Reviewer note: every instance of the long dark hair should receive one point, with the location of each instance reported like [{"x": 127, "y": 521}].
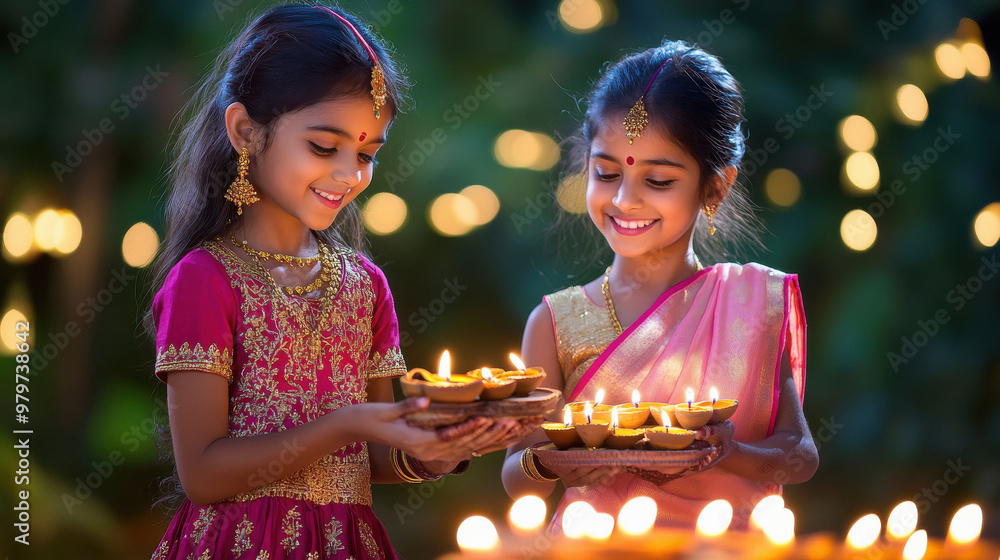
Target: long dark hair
[
  {"x": 286, "y": 59},
  {"x": 698, "y": 103}
]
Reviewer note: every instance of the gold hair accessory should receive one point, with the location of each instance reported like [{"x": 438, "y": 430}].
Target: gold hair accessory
[
  {"x": 710, "y": 212},
  {"x": 378, "y": 77},
  {"x": 637, "y": 117},
  {"x": 241, "y": 192}
]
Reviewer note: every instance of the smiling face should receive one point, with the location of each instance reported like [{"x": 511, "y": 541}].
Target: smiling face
[
  {"x": 319, "y": 159},
  {"x": 644, "y": 197}
]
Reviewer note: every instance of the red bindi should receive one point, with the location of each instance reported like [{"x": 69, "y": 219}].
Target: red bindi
[
  {"x": 630, "y": 160},
  {"x": 363, "y": 136}
]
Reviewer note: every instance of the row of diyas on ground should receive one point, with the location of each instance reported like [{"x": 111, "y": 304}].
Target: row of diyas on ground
[{"x": 591, "y": 534}]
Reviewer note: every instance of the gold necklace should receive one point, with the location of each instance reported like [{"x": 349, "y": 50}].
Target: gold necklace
[
  {"x": 321, "y": 258},
  {"x": 606, "y": 290},
  {"x": 284, "y": 259}
]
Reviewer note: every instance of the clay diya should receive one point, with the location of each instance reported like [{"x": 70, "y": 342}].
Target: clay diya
[
  {"x": 659, "y": 411},
  {"x": 621, "y": 438},
  {"x": 692, "y": 416},
  {"x": 669, "y": 438},
  {"x": 593, "y": 433},
  {"x": 494, "y": 387},
  {"x": 527, "y": 379},
  {"x": 441, "y": 387},
  {"x": 601, "y": 412},
  {"x": 722, "y": 409},
  {"x": 563, "y": 434},
  {"x": 634, "y": 414}
]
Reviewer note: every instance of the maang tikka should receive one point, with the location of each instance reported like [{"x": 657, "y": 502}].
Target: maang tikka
[
  {"x": 637, "y": 117},
  {"x": 378, "y": 77}
]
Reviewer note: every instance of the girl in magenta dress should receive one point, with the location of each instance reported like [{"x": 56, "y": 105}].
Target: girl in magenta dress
[
  {"x": 275, "y": 336},
  {"x": 660, "y": 148}
]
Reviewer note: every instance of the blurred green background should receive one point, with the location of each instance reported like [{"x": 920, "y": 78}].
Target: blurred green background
[{"x": 923, "y": 426}]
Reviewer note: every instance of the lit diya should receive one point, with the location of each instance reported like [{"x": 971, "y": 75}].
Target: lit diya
[
  {"x": 527, "y": 379},
  {"x": 722, "y": 410},
  {"x": 442, "y": 387},
  {"x": 659, "y": 411},
  {"x": 668, "y": 437},
  {"x": 593, "y": 433},
  {"x": 563, "y": 434},
  {"x": 634, "y": 414},
  {"x": 621, "y": 438},
  {"x": 692, "y": 416},
  {"x": 602, "y": 412},
  {"x": 494, "y": 387}
]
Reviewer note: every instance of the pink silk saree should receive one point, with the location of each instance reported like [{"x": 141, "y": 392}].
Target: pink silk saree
[{"x": 724, "y": 327}]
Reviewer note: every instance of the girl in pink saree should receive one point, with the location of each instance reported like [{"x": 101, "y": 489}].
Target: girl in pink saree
[{"x": 662, "y": 144}]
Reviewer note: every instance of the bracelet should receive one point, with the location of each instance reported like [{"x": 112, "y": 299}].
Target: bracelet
[
  {"x": 413, "y": 471},
  {"x": 531, "y": 469}
]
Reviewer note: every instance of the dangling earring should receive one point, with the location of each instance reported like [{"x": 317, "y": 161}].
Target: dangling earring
[
  {"x": 241, "y": 192},
  {"x": 710, "y": 212}
]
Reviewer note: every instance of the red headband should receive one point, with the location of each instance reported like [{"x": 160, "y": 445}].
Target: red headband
[{"x": 378, "y": 78}]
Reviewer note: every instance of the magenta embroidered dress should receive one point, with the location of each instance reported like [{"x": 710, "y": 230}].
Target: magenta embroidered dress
[{"x": 288, "y": 360}]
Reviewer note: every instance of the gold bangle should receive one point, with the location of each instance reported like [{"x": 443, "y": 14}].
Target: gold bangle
[
  {"x": 531, "y": 470},
  {"x": 403, "y": 472}
]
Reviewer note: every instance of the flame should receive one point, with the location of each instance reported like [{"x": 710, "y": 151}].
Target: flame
[
  {"x": 916, "y": 546},
  {"x": 637, "y": 516},
  {"x": 864, "y": 532},
  {"x": 444, "y": 366},
  {"x": 601, "y": 526},
  {"x": 966, "y": 525},
  {"x": 577, "y": 518},
  {"x": 600, "y": 397},
  {"x": 781, "y": 529},
  {"x": 689, "y": 396},
  {"x": 766, "y": 510},
  {"x": 713, "y": 394},
  {"x": 715, "y": 518},
  {"x": 477, "y": 533},
  {"x": 516, "y": 360},
  {"x": 635, "y": 398},
  {"x": 902, "y": 521},
  {"x": 614, "y": 418},
  {"x": 485, "y": 372},
  {"x": 588, "y": 411},
  {"x": 666, "y": 420},
  {"x": 528, "y": 513}
]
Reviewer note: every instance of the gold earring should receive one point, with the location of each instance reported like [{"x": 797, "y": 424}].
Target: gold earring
[
  {"x": 710, "y": 212},
  {"x": 241, "y": 192}
]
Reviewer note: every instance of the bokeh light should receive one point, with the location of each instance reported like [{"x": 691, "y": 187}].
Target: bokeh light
[
  {"x": 8, "y": 330},
  {"x": 781, "y": 529},
  {"x": 601, "y": 526},
  {"x": 864, "y": 532},
  {"x": 637, "y": 515},
  {"x": 452, "y": 215},
  {"x": 916, "y": 546},
  {"x": 858, "y": 133},
  {"x": 966, "y": 525},
  {"x": 949, "y": 60},
  {"x": 577, "y": 519},
  {"x": 68, "y": 233},
  {"x": 902, "y": 520},
  {"x": 581, "y": 16},
  {"x": 477, "y": 533},
  {"x": 485, "y": 200},
  {"x": 858, "y": 230},
  {"x": 571, "y": 194},
  {"x": 977, "y": 61},
  {"x": 912, "y": 104},
  {"x": 524, "y": 149},
  {"x": 987, "y": 225},
  {"x": 139, "y": 245},
  {"x": 47, "y": 222},
  {"x": 528, "y": 512},
  {"x": 384, "y": 213},
  {"x": 715, "y": 518},
  {"x": 862, "y": 171},
  {"x": 18, "y": 235},
  {"x": 782, "y": 187}
]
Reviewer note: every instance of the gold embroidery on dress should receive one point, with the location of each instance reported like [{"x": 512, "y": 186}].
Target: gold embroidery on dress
[
  {"x": 241, "y": 542},
  {"x": 275, "y": 342},
  {"x": 212, "y": 360},
  {"x": 391, "y": 364},
  {"x": 312, "y": 556},
  {"x": 206, "y": 554},
  {"x": 263, "y": 555},
  {"x": 368, "y": 539},
  {"x": 334, "y": 529},
  {"x": 582, "y": 332},
  {"x": 161, "y": 551},
  {"x": 291, "y": 527},
  {"x": 200, "y": 526}
]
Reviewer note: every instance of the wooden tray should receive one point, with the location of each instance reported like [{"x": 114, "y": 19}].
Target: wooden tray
[
  {"x": 538, "y": 403},
  {"x": 653, "y": 465}
]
